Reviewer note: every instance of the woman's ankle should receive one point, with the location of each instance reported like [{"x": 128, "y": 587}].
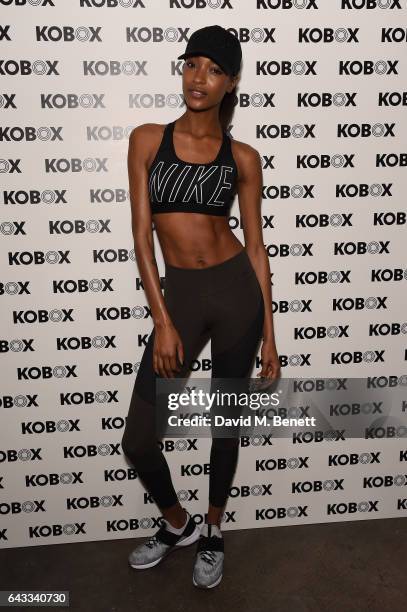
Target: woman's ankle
[{"x": 178, "y": 519}]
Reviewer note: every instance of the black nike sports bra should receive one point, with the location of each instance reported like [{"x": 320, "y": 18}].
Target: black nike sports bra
[{"x": 175, "y": 185}]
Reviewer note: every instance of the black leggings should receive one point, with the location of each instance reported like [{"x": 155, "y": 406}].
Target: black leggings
[{"x": 223, "y": 303}]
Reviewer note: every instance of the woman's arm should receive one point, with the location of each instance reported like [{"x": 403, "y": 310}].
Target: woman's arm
[
  {"x": 137, "y": 160},
  {"x": 249, "y": 189},
  {"x": 167, "y": 344}
]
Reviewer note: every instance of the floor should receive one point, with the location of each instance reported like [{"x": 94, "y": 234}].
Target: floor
[{"x": 341, "y": 567}]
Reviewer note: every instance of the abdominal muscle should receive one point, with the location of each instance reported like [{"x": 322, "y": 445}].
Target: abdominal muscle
[{"x": 194, "y": 240}]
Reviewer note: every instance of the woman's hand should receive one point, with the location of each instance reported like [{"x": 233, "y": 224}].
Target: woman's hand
[
  {"x": 270, "y": 362},
  {"x": 167, "y": 347}
]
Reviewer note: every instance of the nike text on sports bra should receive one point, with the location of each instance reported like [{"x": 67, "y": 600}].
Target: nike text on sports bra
[{"x": 175, "y": 185}]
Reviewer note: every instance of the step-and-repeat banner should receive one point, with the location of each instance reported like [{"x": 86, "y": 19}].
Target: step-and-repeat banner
[{"x": 323, "y": 98}]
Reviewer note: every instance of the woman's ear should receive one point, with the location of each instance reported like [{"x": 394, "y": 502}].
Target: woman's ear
[{"x": 233, "y": 82}]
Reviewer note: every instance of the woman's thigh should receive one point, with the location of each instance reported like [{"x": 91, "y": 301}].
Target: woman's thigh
[
  {"x": 237, "y": 326},
  {"x": 186, "y": 316},
  {"x": 141, "y": 424}
]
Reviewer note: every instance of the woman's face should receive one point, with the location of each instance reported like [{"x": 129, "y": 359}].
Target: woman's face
[{"x": 201, "y": 74}]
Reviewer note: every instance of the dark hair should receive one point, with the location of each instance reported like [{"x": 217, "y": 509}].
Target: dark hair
[{"x": 227, "y": 107}]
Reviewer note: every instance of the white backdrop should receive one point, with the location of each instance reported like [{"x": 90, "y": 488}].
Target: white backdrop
[{"x": 322, "y": 97}]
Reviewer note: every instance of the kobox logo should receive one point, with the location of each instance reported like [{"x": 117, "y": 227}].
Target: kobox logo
[
  {"x": 29, "y": 67},
  {"x": 282, "y": 463},
  {"x": 30, "y": 133},
  {"x": 363, "y": 190},
  {"x": 82, "y": 285},
  {"x": 368, "y": 67},
  {"x": 18, "y": 345},
  {"x": 365, "y": 130},
  {"x": 24, "y": 454},
  {"x": 72, "y": 101},
  {"x": 321, "y": 332},
  {"x": 285, "y": 131},
  {"x": 19, "y": 401},
  {"x": 113, "y": 68},
  {"x": 113, "y": 256},
  {"x": 286, "y": 4},
  {"x": 101, "y": 133},
  {"x": 388, "y": 275},
  {"x": 349, "y": 459},
  {"x": 328, "y": 35},
  {"x": 112, "y": 4},
  {"x": 286, "y": 68},
  {"x": 361, "y": 248},
  {"x": 56, "y": 530},
  {"x": 57, "y": 315},
  {"x": 46, "y": 372},
  {"x": 184, "y": 495},
  {"x": 280, "y": 513},
  {"x": 79, "y": 226},
  {"x": 361, "y": 5},
  {"x": 322, "y": 277},
  {"x": 324, "y": 220},
  {"x": 358, "y": 357},
  {"x": 48, "y": 196},
  {"x": 91, "y": 450},
  {"x": 15, "y": 288},
  {"x": 284, "y": 192},
  {"x": 326, "y": 99},
  {"x": 77, "y": 398},
  {"x": 359, "y": 303},
  {"x": 94, "y": 502},
  {"x": 200, "y": 4},
  {"x": 287, "y": 250},
  {"x": 352, "y": 508},
  {"x": 124, "y": 313},
  {"x": 156, "y": 100},
  {"x": 107, "y": 196},
  {"x": 29, "y": 258},
  {"x": 392, "y": 98},
  {"x": 36, "y": 3},
  {"x": 84, "y": 343},
  {"x": 27, "y": 507},
  {"x": 75, "y": 165},
  {"x": 318, "y": 486},
  {"x": 66, "y": 33},
  {"x": 50, "y": 427},
  {"x": 53, "y": 479}
]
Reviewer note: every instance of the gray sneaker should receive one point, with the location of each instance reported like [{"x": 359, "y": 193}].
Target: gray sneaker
[
  {"x": 208, "y": 569},
  {"x": 162, "y": 543}
]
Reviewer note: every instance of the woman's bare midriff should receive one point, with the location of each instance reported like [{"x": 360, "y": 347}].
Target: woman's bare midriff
[{"x": 194, "y": 240}]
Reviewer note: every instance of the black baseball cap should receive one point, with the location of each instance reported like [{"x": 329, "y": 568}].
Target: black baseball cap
[{"x": 218, "y": 44}]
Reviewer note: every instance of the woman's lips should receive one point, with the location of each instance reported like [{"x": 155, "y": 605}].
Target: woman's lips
[{"x": 196, "y": 94}]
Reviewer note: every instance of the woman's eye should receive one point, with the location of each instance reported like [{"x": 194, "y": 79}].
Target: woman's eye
[{"x": 190, "y": 64}]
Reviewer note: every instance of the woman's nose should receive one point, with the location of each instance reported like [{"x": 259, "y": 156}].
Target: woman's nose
[{"x": 200, "y": 75}]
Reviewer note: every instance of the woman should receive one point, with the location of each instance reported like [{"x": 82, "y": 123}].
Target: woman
[{"x": 214, "y": 287}]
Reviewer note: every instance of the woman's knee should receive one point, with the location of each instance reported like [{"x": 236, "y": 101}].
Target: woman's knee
[{"x": 139, "y": 452}]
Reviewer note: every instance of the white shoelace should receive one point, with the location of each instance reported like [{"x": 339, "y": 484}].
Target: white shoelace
[
  {"x": 152, "y": 542},
  {"x": 208, "y": 556}
]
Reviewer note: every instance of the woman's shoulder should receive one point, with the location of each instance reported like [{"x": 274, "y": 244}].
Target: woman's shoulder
[
  {"x": 244, "y": 154},
  {"x": 145, "y": 139},
  {"x": 147, "y": 129}
]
